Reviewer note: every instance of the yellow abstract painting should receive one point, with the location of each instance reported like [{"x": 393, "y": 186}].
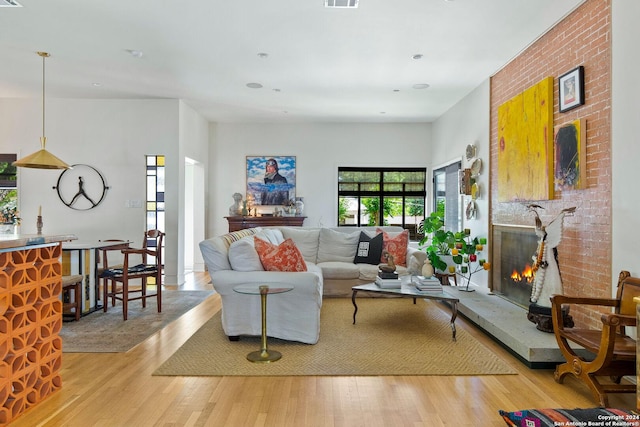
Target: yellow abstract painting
[{"x": 525, "y": 145}]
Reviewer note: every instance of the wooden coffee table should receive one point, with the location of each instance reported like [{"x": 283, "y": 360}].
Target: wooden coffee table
[{"x": 408, "y": 291}]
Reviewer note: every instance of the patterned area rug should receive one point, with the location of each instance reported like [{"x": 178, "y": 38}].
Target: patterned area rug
[
  {"x": 101, "y": 332},
  {"x": 391, "y": 337}
]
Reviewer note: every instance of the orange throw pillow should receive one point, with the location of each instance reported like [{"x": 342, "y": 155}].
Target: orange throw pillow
[
  {"x": 396, "y": 246},
  {"x": 283, "y": 257}
]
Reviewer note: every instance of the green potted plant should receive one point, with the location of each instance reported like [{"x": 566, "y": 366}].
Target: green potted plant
[
  {"x": 448, "y": 251},
  {"x": 437, "y": 242}
]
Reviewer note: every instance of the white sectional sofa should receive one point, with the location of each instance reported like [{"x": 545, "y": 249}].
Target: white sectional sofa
[{"x": 329, "y": 255}]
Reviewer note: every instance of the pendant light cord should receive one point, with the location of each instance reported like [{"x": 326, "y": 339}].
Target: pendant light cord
[{"x": 43, "y": 59}]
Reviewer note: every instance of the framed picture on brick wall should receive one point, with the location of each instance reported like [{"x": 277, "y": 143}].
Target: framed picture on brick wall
[{"x": 571, "y": 89}]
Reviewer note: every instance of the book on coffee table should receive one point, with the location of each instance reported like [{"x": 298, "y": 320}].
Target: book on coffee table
[
  {"x": 428, "y": 284},
  {"x": 387, "y": 275},
  {"x": 388, "y": 283}
]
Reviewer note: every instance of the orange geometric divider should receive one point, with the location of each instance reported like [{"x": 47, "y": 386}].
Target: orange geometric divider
[{"x": 30, "y": 322}]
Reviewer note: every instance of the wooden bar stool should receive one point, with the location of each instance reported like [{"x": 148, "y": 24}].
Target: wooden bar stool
[{"x": 72, "y": 283}]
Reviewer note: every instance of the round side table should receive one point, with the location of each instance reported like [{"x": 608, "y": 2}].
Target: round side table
[{"x": 264, "y": 355}]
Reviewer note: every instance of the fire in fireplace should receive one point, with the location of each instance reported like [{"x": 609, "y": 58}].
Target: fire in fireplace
[
  {"x": 513, "y": 247},
  {"x": 524, "y": 276}
]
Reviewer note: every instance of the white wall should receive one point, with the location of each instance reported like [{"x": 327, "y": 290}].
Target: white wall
[
  {"x": 319, "y": 149},
  {"x": 194, "y": 146},
  {"x": 113, "y": 136},
  {"x": 468, "y": 123},
  {"x": 625, "y": 147}
]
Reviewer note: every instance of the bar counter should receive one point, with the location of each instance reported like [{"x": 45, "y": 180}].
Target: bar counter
[
  {"x": 30, "y": 320},
  {"x": 12, "y": 241}
]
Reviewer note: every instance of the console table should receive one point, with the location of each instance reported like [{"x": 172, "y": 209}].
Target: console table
[{"x": 241, "y": 222}]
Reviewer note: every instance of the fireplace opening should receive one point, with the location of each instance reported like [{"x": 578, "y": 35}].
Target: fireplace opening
[{"x": 513, "y": 249}]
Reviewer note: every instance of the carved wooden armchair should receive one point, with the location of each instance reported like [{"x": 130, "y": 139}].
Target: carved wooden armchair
[{"x": 614, "y": 351}]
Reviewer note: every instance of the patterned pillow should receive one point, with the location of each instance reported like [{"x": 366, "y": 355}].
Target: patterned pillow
[
  {"x": 570, "y": 417},
  {"x": 369, "y": 249},
  {"x": 282, "y": 257},
  {"x": 396, "y": 244}
]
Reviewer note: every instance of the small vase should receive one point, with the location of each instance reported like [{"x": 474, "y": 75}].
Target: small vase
[
  {"x": 427, "y": 269},
  {"x": 7, "y": 228},
  {"x": 299, "y": 206}
]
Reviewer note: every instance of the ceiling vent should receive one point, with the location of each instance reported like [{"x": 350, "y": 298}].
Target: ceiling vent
[
  {"x": 352, "y": 4},
  {"x": 9, "y": 3}
]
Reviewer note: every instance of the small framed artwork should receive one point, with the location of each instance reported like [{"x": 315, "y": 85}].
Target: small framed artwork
[
  {"x": 570, "y": 156},
  {"x": 271, "y": 180},
  {"x": 571, "y": 89}
]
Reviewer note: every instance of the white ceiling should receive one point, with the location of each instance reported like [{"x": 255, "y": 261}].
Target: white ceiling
[{"x": 345, "y": 65}]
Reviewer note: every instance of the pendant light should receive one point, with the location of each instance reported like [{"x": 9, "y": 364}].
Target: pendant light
[{"x": 41, "y": 159}]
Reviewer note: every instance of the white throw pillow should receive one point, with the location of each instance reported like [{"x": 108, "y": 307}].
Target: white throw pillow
[
  {"x": 243, "y": 255},
  {"x": 306, "y": 239},
  {"x": 337, "y": 246},
  {"x": 271, "y": 235}
]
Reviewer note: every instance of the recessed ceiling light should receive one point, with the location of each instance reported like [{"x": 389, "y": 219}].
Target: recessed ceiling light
[
  {"x": 396, "y": 90},
  {"x": 420, "y": 86},
  {"x": 9, "y": 3},
  {"x": 276, "y": 90},
  {"x": 254, "y": 85},
  {"x": 97, "y": 84},
  {"x": 263, "y": 55},
  {"x": 417, "y": 56},
  {"x": 341, "y": 3},
  {"x": 135, "y": 53}
]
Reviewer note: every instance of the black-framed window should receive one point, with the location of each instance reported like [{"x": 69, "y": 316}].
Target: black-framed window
[{"x": 401, "y": 193}]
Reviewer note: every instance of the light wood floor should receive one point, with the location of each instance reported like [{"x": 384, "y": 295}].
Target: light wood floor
[{"x": 118, "y": 390}]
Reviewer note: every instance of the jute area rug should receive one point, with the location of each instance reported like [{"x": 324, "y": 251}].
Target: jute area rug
[
  {"x": 391, "y": 337},
  {"x": 101, "y": 332}
]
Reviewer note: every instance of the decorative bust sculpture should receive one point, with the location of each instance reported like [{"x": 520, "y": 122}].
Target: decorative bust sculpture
[{"x": 236, "y": 208}]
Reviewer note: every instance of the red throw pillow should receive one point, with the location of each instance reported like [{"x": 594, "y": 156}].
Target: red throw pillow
[
  {"x": 396, "y": 246},
  {"x": 283, "y": 257}
]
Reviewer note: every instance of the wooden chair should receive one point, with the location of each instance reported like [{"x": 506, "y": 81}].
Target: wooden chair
[
  {"x": 104, "y": 265},
  {"x": 614, "y": 351},
  {"x": 72, "y": 285},
  {"x": 151, "y": 248}
]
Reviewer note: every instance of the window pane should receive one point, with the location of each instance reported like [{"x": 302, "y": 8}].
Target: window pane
[
  {"x": 8, "y": 172},
  {"x": 370, "y": 211},
  {"x": 347, "y": 187},
  {"x": 358, "y": 176},
  {"x": 160, "y": 220},
  {"x": 151, "y": 188},
  {"x": 347, "y": 211},
  {"x": 160, "y": 183},
  {"x": 414, "y": 213},
  {"x": 370, "y": 187},
  {"x": 393, "y": 187},
  {"x": 151, "y": 220},
  {"x": 410, "y": 187}
]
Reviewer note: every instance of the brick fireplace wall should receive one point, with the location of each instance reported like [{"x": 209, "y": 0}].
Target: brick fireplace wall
[{"x": 582, "y": 38}]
